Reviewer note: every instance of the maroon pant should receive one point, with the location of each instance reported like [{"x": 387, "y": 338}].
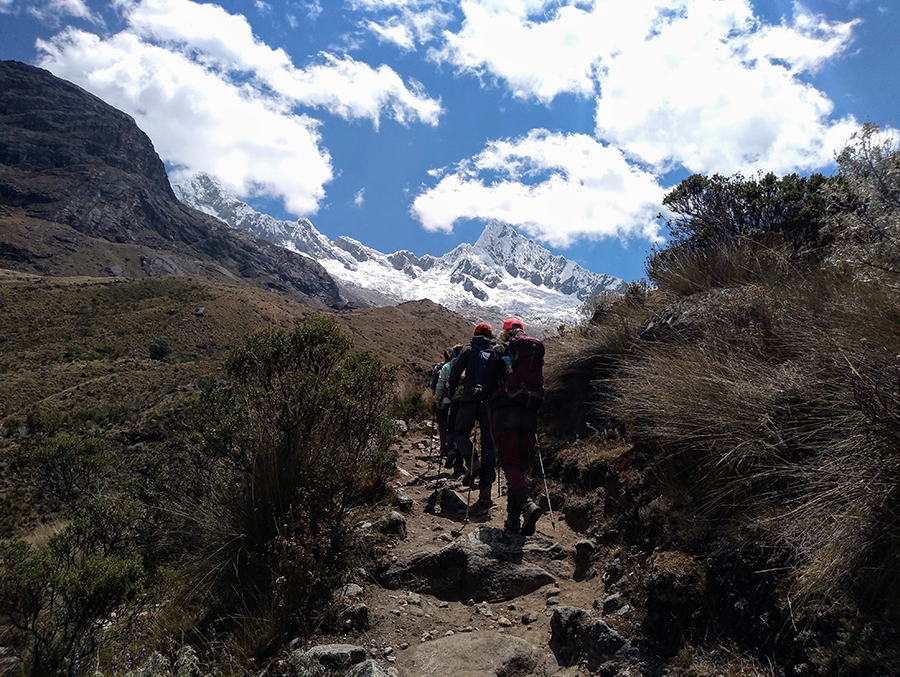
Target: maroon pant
[{"x": 515, "y": 432}]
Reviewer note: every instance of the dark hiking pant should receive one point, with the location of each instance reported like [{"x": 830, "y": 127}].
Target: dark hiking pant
[
  {"x": 468, "y": 414},
  {"x": 440, "y": 416},
  {"x": 515, "y": 431}
]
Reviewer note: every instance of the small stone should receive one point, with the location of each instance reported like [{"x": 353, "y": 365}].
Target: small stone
[
  {"x": 444, "y": 605},
  {"x": 552, "y": 592},
  {"x": 504, "y": 622},
  {"x": 511, "y": 607},
  {"x": 485, "y": 610},
  {"x": 391, "y": 659},
  {"x": 445, "y": 537},
  {"x": 471, "y": 602},
  {"x": 449, "y": 633},
  {"x": 200, "y": 312},
  {"x": 415, "y": 611},
  {"x": 413, "y": 598},
  {"x": 466, "y": 628},
  {"x": 387, "y": 651},
  {"x": 396, "y": 612},
  {"x": 427, "y": 637},
  {"x": 404, "y": 646},
  {"x": 552, "y": 601},
  {"x": 529, "y": 617}
]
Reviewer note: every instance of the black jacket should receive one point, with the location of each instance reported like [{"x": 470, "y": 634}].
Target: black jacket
[{"x": 467, "y": 362}]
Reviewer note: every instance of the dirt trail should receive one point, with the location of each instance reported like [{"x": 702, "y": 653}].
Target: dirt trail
[{"x": 399, "y": 619}]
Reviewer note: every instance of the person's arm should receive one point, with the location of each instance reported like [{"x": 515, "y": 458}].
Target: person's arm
[
  {"x": 442, "y": 382},
  {"x": 458, "y": 368}
]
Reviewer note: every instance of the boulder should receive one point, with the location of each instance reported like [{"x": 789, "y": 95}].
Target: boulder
[
  {"x": 487, "y": 564},
  {"x": 475, "y": 654},
  {"x": 392, "y": 524},
  {"x": 325, "y": 659},
  {"x": 577, "y": 637},
  {"x": 371, "y": 668}
]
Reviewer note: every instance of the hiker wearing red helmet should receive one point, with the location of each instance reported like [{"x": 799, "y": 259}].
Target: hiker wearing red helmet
[
  {"x": 515, "y": 380},
  {"x": 472, "y": 407}
]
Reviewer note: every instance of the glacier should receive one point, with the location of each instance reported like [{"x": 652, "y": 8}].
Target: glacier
[{"x": 503, "y": 273}]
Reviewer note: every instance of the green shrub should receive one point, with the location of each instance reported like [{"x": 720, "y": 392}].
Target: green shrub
[
  {"x": 58, "y": 601},
  {"x": 412, "y": 408},
  {"x": 159, "y": 348},
  {"x": 297, "y": 438}
]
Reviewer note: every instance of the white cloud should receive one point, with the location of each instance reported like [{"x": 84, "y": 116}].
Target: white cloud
[
  {"x": 702, "y": 83},
  {"x": 730, "y": 102},
  {"x": 262, "y": 7},
  {"x": 360, "y": 197},
  {"x": 313, "y": 10},
  {"x": 411, "y": 26},
  {"x": 6, "y": 6},
  {"x": 53, "y": 10},
  {"x": 556, "y": 187},
  {"x": 215, "y": 98},
  {"x": 197, "y": 120},
  {"x": 340, "y": 85}
]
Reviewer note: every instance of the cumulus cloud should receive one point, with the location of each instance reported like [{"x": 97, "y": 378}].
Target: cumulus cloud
[
  {"x": 198, "y": 121},
  {"x": 700, "y": 83},
  {"x": 214, "y": 98},
  {"x": 556, "y": 187},
  {"x": 729, "y": 103}
]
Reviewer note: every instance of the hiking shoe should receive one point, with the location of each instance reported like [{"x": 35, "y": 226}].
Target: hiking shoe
[
  {"x": 485, "y": 496},
  {"x": 512, "y": 523},
  {"x": 471, "y": 473},
  {"x": 531, "y": 513},
  {"x": 450, "y": 460}
]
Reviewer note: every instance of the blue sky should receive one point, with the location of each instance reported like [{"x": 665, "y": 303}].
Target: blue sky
[{"x": 407, "y": 124}]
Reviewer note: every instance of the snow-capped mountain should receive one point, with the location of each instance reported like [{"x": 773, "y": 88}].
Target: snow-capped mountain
[{"x": 503, "y": 273}]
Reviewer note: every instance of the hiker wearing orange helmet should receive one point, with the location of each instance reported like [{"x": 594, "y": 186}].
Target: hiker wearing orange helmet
[
  {"x": 472, "y": 360},
  {"x": 516, "y": 383}
]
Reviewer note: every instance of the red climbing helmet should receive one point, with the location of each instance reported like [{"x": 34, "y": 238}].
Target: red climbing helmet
[{"x": 513, "y": 323}]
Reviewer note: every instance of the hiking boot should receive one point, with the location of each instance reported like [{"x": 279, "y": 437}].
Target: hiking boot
[
  {"x": 471, "y": 474},
  {"x": 512, "y": 523},
  {"x": 450, "y": 460},
  {"x": 485, "y": 500},
  {"x": 531, "y": 513}
]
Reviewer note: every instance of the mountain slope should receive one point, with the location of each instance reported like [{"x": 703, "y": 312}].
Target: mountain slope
[
  {"x": 82, "y": 192},
  {"x": 502, "y": 273}
]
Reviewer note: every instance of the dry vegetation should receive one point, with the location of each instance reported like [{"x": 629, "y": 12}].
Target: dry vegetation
[{"x": 749, "y": 412}]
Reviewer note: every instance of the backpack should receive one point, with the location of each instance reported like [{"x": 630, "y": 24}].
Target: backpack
[
  {"x": 484, "y": 356},
  {"x": 524, "y": 371},
  {"x": 435, "y": 375}
]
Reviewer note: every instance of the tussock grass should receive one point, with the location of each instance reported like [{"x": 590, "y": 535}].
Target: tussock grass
[{"x": 788, "y": 420}]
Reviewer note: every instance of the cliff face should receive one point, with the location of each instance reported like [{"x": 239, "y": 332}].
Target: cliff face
[{"x": 82, "y": 192}]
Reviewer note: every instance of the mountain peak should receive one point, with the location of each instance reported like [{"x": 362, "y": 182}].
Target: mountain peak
[{"x": 503, "y": 272}]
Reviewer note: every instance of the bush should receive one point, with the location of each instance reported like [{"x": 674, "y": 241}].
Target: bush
[
  {"x": 412, "y": 408},
  {"x": 297, "y": 438},
  {"x": 159, "y": 348}
]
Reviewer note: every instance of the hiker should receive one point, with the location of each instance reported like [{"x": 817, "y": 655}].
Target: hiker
[
  {"x": 440, "y": 411},
  {"x": 517, "y": 390},
  {"x": 447, "y": 410},
  {"x": 473, "y": 408}
]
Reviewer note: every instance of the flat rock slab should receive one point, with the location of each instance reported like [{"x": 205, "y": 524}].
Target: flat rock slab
[
  {"x": 477, "y": 654},
  {"x": 487, "y": 564}
]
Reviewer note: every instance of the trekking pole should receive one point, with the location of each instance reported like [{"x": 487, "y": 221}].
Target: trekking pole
[
  {"x": 437, "y": 474},
  {"x": 471, "y": 474},
  {"x": 544, "y": 477},
  {"x": 496, "y": 453}
]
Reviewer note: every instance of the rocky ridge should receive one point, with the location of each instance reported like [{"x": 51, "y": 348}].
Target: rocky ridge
[
  {"x": 503, "y": 272},
  {"x": 82, "y": 192}
]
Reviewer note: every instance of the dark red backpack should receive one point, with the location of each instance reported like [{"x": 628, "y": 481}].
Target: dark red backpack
[{"x": 524, "y": 371}]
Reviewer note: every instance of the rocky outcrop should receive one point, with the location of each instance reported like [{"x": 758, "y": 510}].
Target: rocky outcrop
[
  {"x": 487, "y": 564},
  {"x": 485, "y": 654},
  {"x": 84, "y": 191}
]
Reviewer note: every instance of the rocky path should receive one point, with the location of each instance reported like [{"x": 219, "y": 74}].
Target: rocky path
[{"x": 466, "y": 598}]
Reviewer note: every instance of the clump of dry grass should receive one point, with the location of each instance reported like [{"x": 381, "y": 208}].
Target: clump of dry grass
[{"x": 788, "y": 421}]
